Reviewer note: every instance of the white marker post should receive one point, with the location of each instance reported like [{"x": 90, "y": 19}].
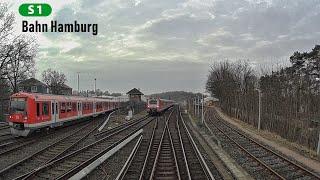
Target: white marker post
[{"x": 318, "y": 148}]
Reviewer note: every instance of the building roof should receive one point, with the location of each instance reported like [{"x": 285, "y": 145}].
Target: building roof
[
  {"x": 31, "y": 81},
  {"x": 65, "y": 86},
  {"x": 134, "y": 91}
]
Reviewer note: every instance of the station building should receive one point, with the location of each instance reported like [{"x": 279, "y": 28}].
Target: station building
[{"x": 135, "y": 95}]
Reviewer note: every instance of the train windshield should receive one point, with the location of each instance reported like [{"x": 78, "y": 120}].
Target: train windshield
[
  {"x": 153, "y": 101},
  {"x": 18, "y": 105}
]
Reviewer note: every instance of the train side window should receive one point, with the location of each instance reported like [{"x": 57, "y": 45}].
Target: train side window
[
  {"x": 52, "y": 108},
  {"x": 74, "y": 107},
  {"x": 69, "y": 107},
  {"x": 45, "y": 109},
  {"x": 38, "y": 109},
  {"x": 63, "y": 108}
]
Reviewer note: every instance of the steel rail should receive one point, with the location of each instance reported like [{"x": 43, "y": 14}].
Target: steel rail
[
  {"x": 74, "y": 169},
  {"x": 127, "y": 164},
  {"x": 143, "y": 171},
  {"x": 10, "y": 167},
  {"x": 251, "y": 155},
  {"x": 159, "y": 148},
  {"x": 87, "y": 169},
  {"x": 4, "y": 127},
  {"x": 195, "y": 148},
  {"x": 134, "y": 121},
  {"x": 173, "y": 151},
  {"x": 84, "y": 164},
  {"x": 158, "y": 154},
  {"x": 267, "y": 149},
  {"x": 22, "y": 144},
  {"x": 125, "y": 168},
  {"x": 183, "y": 149},
  {"x": 26, "y": 141},
  {"x": 148, "y": 153}
]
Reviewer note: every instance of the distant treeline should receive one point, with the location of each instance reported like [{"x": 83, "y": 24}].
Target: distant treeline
[
  {"x": 290, "y": 96},
  {"x": 178, "y": 96}
]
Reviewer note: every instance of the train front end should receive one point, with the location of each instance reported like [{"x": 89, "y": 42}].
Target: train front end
[
  {"x": 19, "y": 114},
  {"x": 152, "y": 107}
]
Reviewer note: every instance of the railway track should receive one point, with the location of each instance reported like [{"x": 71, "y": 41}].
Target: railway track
[
  {"x": 4, "y": 131},
  {"x": 133, "y": 169},
  {"x": 152, "y": 150},
  {"x": 171, "y": 154},
  {"x": 95, "y": 136},
  {"x": 4, "y": 126},
  {"x": 49, "y": 153},
  {"x": 165, "y": 165},
  {"x": 260, "y": 161},
  {"x": 17, "y": 143},
  {"x": 66, "y": 166},
  {"x": 179, "y": 148},
  {"x": 198, "y": 168},
  {"x": 4, "y": 137},
  {"x": 110, "y": 168},
  {"x": 121, "y": 126}
]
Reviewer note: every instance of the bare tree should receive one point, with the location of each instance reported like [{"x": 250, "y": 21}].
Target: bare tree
[
  {"x": 21, "y": 61},
  {"x": 16, "y": 52},
  {"x": 233, "y": 84},
  {"x": 6, "y": 27},
  {"x": 54, "y": 80},
  {"x": 290, "y": 95}
]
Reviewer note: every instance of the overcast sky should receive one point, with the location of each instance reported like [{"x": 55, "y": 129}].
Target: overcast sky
[{"x": 162, "y": 45}]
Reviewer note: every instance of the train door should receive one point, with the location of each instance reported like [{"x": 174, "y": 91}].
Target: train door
[
  {"x": 79, "y": 109},
  {"x": 54, "y": 111}
]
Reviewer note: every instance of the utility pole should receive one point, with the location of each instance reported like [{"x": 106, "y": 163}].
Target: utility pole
[
  {"x": 202, "y": 113},
  {"x": 199, "y": 102},
  {"x": 95, "y": 86},
  {"x": 195, "y": 107},
  {"x": 318, "y": 147},
  {"x": 259, "y": 120},
  {"x": 78, "y": 82},
  {"x": 198, "y": 108}
]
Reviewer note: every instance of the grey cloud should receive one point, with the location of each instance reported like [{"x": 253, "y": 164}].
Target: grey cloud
[{"x": 154, "y": 41}]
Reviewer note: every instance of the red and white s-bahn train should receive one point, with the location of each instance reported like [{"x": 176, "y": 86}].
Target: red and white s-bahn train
[
  {"x": 157, "y": 106},
  {"x": 33, "y": 111}
]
